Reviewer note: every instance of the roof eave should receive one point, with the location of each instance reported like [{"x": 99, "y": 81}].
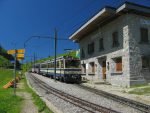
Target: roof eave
[{"x": 105, "y": 11}]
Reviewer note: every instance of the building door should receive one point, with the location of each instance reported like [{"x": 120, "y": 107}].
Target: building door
[
  {"x": 104, "y": 69},
  {"x": 83, "y": 68}
]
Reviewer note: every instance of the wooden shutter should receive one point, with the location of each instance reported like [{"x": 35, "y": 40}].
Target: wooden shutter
[{"x": 119, "y": 64}]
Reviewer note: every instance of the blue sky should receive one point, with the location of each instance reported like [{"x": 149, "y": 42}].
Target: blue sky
[{"x": 21, "y": 19}]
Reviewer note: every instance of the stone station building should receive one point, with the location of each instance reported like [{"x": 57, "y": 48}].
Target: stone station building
[{"x": 115, "y": 45}]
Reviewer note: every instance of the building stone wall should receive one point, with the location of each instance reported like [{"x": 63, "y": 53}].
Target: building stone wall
[
  {"x": 138, "y": 49},
  {"x": 130, "y": 50}
]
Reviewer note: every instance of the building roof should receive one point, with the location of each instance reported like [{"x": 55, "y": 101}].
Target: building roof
[{"x": 108, "y": 14}]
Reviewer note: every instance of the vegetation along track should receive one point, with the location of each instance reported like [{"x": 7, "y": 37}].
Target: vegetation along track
[
  {"x": 137, "y": 105},
  {"x": 88, "y": 106}
]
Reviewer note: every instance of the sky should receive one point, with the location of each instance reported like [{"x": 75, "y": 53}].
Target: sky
[{"x": 22, "y": 19}]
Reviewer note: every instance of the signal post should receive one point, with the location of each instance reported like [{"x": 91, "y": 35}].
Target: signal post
[{"x": 18, "y": 55}]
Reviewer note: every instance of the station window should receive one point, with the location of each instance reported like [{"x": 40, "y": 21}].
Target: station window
[
  {"x": 101, "y": 45},
  {"x": 118, "y": 62},
  {"x": 145, "y": 62},
  {"x": 91, "y": 48},
  {"x": 82, "y": 53},
  {"x": 115, "y": 41},
  {"x": 144, "y": 34}
]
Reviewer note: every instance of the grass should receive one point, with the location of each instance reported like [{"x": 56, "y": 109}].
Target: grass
[
  {"x": 139, "y": 85},
  {"x": 37, "y": 100},
  {"x": 141, "y": 91},
  {"x": 8, "y": 102}
]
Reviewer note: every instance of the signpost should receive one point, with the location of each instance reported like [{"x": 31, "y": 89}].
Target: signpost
[
  {"x": 11, "y": 52},
  {"x": 18, "y": 55},
  {"x": 21, "y": 51}
]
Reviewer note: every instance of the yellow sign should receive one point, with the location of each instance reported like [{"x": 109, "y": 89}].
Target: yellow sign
[
  {"x": 20, "y": 55},
  {"x": 20, "y": 58},
  {"x": 21, "y": 51},
  {"x": 11, "y": 52}
]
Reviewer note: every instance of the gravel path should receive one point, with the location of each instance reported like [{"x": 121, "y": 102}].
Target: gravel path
[
  {"x": 81, "y": 93},
  {"x": 28, "y": 105}
]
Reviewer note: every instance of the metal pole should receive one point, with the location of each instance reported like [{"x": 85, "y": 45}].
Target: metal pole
[
  {"x": 34, "y": 62},
  {"x": 21, "y": 69},
  {"x": 55, "y": 46},
  {"x": 15, "y": 73},
  {"x": 26, "y": 66}
]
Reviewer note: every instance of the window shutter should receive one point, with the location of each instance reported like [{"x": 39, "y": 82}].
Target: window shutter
[{"x": 118, "y": 64}]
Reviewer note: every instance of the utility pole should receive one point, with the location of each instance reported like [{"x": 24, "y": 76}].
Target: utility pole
[
  {"x": 34, "y": 62},
  {"x": 15, "y": 72},
  {"x": 55, "y": 46}
]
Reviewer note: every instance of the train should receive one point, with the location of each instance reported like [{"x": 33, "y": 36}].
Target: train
[{"x": 68, "y": 69}]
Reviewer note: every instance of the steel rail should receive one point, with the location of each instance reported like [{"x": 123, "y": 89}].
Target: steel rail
[
  {"x": 62, "y": 97},
  {"x": 137, "y": 105},
  {"x": 86, "y": 105}
]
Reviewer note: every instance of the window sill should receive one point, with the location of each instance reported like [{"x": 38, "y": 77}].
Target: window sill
[
  {"x": 91, "y": 74},
  {"x": 145, "y": 69},
  {"x": 117, "y": 73},
  {"x": 146, "y": 43},
  {"x": 83, "y": 74},
  {"x": 115, "y": 46},
  {"x": 91, "y": 53}
]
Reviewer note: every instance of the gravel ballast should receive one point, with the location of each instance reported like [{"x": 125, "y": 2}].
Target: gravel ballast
[{"x": 66, "y": 107}]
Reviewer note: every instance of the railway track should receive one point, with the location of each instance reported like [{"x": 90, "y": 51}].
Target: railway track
[
  {"x": 137, "y": 105},
  {"x": 87, "y": 106}
]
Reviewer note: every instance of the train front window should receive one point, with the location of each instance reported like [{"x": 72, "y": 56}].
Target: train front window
[
  {"x": 72, "y": 63},
  {"x": 44, "y": 65}
]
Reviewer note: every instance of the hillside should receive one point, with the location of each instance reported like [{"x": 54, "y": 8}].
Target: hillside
[
  {"x": 72, "y": 54},
  {"x": 5, "y": 58},
  {"x": 28, "y": 65}
]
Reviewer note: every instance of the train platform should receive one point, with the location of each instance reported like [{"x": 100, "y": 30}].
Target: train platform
[{"x": 120, "y": 91}]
